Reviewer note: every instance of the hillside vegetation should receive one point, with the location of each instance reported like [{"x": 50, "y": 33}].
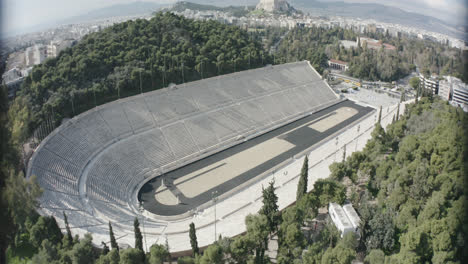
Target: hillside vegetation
[
  {"x": 320, "y": 44},
  {"x": 413, "y": 209},
  {"x": 130, "y": 58}
]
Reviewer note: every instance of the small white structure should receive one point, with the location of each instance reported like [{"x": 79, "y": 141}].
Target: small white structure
[{"x": 345, "y": 218}]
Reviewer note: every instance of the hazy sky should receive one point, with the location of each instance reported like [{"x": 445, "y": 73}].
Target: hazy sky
[{"x": 22, "y": 14}]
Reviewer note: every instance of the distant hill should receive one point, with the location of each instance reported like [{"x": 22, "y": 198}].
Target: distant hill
[
  {"x": 130, "y": 9},
  {"x": 378, "y": 12}
]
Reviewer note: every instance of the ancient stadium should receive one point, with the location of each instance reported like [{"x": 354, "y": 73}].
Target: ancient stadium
[{"x": 196, "y": 152}]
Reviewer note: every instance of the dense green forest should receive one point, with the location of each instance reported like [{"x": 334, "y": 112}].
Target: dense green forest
[
  {"x": 320, "y": 44},
  {"x": 413, "y": 206},
  {"x": 130, "y": 58}
]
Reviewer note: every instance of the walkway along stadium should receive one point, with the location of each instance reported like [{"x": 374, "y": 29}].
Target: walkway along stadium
[{"x": 197, "y": 152}]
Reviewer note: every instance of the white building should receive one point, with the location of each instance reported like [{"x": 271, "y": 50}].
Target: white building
[
  {"x": 345, "y": 218},
  {"x": 460, "y": 94},
  {"x": 454, "y": 90},
  {"x": 445, "y": 88},
  {"x": 431, "y": 83},
  {"x": 338, "y": 65},
  {"x": 35, "y": 55}
]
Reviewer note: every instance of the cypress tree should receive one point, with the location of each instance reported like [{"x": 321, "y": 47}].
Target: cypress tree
[
  {"x": 138, "y": 236},
  {"x": 193, "y": 240},
  {"x": 302, "y": 184},
  {"x": 380, "y": 114},
  {"x": 344, "y": 153},
  {"x": 270, "y": 206},
  {"x": 113, "y": 242},
  {"x": 67, "y": 226},
  {"x": 398, "y": 112}
]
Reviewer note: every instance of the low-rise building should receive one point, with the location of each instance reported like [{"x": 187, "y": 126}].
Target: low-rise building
[
  {"x": 12, "y": 79},
  {"x": 375, "y": 44},
  {"x": 445, "y": 88},
  {"x": 345, "y": 218},
  {"x": 460, "y": 94},
  {"x": 430, "y": 83},
  {"x": 338, "y": 65}
]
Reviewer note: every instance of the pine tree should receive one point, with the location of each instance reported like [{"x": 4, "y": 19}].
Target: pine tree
[
  {"x": 193, "y": 240},
  {"x": 113, "y": 242},
  {"x": 270, "y": 206},
  {"x": 138, "y": 236},
  {"x": 67, "y": 226},
  {"x": 302, "y": 184}
]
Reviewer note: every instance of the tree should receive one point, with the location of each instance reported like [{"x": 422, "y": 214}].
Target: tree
[
  {"x": 113, "y": 242},
  {"x": 414, "y": 82},
  {"x": 270, "y": 206},
  {"x": 257, "y": 230},
  {"x": 112, "y": 257},
  {"x": 349, "y": 240},
  {"x": 344, "y": 153},
  {"x": 83, "y": 252},
  {"x": 338, "y": 254},
  {"x": 376, "y": 256},
  {"x": 302, "y": 185},
  {"x": 338, "y": 170},
  {"x": 45, "y": 228},
  {"x": 193, "y": 239},
  {"x": 242, "y": 248},
  {"x": 212, "y": 255},
  {"x": 380, "y": 115},
  {"x": 47, "y": 253},
  {"x": 21, "y": 195},
  {"x": 158, "y": 254},
  {"x": 382, "y": 232},
  {"x": 138, "y": 236},
  {"x": 398, "y": 112},
  {"x": 69, "y": 236},
  {"x": 105, "y": 248},
  {"x": 131, "y": 256}
]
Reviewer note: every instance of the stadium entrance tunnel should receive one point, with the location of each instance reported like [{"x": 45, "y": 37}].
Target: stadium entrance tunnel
[{"x": 189, "y": 188}]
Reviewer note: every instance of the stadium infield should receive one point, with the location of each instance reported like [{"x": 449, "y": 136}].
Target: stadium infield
[{"x": 188, "y": 187}]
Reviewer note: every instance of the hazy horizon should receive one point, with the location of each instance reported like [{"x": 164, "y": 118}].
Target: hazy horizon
[{"x": 21, "y": 15}]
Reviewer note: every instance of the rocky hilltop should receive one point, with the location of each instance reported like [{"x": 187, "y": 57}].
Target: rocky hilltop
[{"x": 274, "y": 5}]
